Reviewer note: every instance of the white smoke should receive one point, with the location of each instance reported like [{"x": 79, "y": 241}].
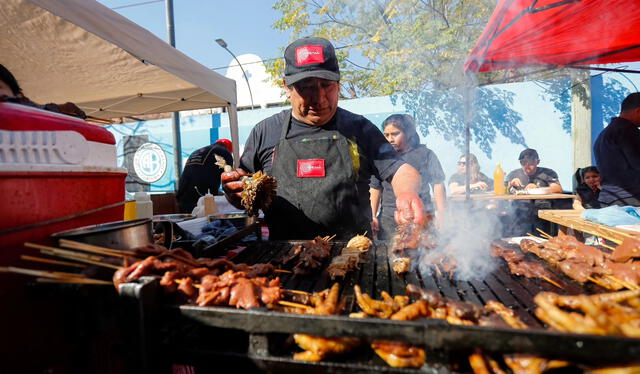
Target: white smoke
[{"x": 464, "y": 240}]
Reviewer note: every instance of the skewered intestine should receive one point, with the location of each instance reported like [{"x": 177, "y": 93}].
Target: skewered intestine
[
  {"x": 349, "y": 258},
  {"x": 308, "y": 256}
]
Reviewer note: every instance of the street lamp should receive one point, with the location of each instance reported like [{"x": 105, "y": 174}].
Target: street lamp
[{"x": 223, "y": 44}]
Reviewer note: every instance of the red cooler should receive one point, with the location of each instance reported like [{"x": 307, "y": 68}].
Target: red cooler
[{"x": 56, "y": 173}]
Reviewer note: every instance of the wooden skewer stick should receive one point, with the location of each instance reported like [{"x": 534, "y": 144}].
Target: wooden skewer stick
[
  {"x": 282, "y": 271},
  {"x": 607, "y": 247},
  {"x": 624, "y": 283},
  {"x": 551, "y": 281},
  {"x": 55, "y": 262},
  {"x": 74, "y": 257},
  {"x": 62, "y": 251},
  {"x": 535, "y": 236},
  {"x": 295, "y": 305},
  {"x": 74, "y": 281},
  {"x": 544, "y": 234},
  {"x": 93, "y": 248},
  {"x": 599, "y": 283},
  {"x": 297, "y": 292},
  {"x": 40, "y": 273}
]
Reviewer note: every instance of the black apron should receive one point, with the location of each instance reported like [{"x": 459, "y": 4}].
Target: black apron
[{"x": 309, "y": 204}]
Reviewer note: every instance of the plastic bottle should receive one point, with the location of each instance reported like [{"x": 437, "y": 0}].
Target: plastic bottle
[
  {"x": 129, "y": 208},
  {"x": 209, "y": 205},
  {"x": 144, "y": 205},
  {"x": 498, "y": 181}
]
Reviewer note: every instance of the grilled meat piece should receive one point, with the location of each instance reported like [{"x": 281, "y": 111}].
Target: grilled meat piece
[
  {"x": 630, "y": 248},
  {"x": 628, "y": 272},
  {"x": 401, "y": 265},
  {"x": 576, "y": 269},
  {"x": 318, "y": 347},
  {"x": 308, "y": 256},
  {"x": 399, "y": 354}
]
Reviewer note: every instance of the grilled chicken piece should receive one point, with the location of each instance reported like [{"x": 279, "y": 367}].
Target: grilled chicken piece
[
  {"x": 401, "y": 265},
  {"x": 399, "y": 354},
  {"x": 318, "y": 347},
  {"x": 630, "y": 248},
  {"x": 361, "y": 242},
  {"x": 419, "y": 309},
  {"x": 628, "y": 272}
]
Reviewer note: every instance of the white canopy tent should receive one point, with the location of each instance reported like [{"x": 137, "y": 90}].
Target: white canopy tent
[{"x": 83, "y": 52}]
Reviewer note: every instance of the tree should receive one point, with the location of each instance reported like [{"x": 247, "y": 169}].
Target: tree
[{"x": 413, "y": 50}]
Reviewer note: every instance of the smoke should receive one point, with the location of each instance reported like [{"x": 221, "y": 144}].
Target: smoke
[{"x": 464, "y": 240}]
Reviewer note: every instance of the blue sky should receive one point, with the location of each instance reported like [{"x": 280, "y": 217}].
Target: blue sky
[{"x": 246, "y": 26}]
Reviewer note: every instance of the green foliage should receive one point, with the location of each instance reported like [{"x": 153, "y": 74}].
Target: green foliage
[{"x": 413, "y": 49}]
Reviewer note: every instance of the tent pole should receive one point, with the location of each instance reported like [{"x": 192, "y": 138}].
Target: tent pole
[
  {"x": 175, "y": 118},
  {"x": 235, "y": 138}
]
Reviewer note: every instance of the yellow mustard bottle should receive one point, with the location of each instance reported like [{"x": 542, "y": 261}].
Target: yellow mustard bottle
[{"x": 498, "y": 181}]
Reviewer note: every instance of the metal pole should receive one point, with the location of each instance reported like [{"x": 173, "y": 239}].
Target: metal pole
[
  {"x": 467, "y": 134},
  {"x": 175, "y": 118},
  {"x": 243, "y": 72}
]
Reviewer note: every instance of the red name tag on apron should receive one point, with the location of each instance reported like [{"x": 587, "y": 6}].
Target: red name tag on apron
[{"x": 311, "y": 168}]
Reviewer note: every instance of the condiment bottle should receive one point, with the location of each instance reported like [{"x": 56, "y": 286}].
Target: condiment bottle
[
  {"x": 498, "y": 181},
  {"x": 144, "y": 205},
  {"x": 209, "y": 205}
]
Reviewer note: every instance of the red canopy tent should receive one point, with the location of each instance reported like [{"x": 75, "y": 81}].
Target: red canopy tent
[{"x": 526, "y": 33}]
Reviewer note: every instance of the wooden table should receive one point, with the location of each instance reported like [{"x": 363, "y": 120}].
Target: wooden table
[
  {"x": 570, "y": 219},
  {"x": 491, "y": 196}
]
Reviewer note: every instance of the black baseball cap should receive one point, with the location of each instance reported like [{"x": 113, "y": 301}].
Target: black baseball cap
[
  {"x": 529, "y": 154},
  {"x": 310, "y": 58}
]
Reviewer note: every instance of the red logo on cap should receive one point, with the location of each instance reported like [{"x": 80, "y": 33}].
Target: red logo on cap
[
  {"x": 309, "y": 54},
  {"x": 313, "y": 168}
]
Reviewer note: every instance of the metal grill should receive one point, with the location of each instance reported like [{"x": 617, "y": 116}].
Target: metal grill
[{"x": 262, "y": 335}]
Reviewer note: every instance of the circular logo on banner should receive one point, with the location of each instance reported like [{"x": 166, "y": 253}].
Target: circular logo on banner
[{"x": 150, "y": 162}]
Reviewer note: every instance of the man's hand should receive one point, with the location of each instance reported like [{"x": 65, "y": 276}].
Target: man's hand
[
  {"x": 530, "y": 186},
  {"x": 232, "y": 186},
  {"x": 479, "y": 186},
  {"x": 515, "y": 182},
  {"x": 409, "y": 209},
  {"x": 375, "y": 227}
]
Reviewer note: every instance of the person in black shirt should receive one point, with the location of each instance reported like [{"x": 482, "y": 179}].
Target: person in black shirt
[
  {"x": 478, "y": 183},
  {"x": 201, "y": 174},
  {"x": 530, "y": 176},
  {"x": 400, "y": 131},
  {"x": 322, "y": 156},
  {"x": 617, "y": 153}
]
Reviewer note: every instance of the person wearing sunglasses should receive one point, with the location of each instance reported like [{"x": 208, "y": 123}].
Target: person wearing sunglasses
[{"x": 479, "y": 182}]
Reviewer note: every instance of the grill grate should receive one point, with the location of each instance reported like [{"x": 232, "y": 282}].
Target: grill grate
[{"x": 448, "y": 344}]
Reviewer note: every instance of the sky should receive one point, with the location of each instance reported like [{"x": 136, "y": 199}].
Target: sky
[{"x": 246, "y": 26}]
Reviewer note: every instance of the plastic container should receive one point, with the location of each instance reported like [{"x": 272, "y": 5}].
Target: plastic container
[
  {"x": 499, "y": 187},
  {"x": 56, "y": 173},
  {"x": 209, "y": 205},
  {"x": 144, "y": 205}
]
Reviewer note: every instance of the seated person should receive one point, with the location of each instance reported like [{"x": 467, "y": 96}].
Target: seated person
[
  {"x": 201, "y": 174},
  {"x": 10, "y": 91},
  {"x": 588, "y": 187},
  {"x": 527, "y": 177},
  {"x": 478, "y": 182}
]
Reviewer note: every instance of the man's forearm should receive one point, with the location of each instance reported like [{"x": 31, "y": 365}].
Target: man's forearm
[
  {"x": 439, "y": 194},
  {"x": 406, "y": 180}
]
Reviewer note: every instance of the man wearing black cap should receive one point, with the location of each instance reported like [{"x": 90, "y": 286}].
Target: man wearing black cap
[
  {"x": 617, "y": 152},
  {"x": 322, "y": 156},
  {"x": 527, "y": 177}
]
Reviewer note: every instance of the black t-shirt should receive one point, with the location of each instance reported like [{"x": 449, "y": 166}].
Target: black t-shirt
[
  {"x": 460, "y": 179},
  {"x": 201, "y": 171},
  {"x": 375, "y": 156},
  {"x": 431, "y": 173},
  {"x": 542, "y": 177},
  {"x": 617, "y": 153}
]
